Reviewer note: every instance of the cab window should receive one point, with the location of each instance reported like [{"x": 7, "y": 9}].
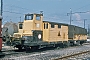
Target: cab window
[
  {"x": 46, "y": 26},
  {"x": 29, "y": 17},
  {"x": 52, "y": 25},
  {"x": 38, "y": 17},
  {"x": 59, "y": 26},
  {"x": 20, "y": 26}
]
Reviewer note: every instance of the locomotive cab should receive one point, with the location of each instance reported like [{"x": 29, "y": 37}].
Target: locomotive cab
[
  {"x": 32, "y": 22},
  {"x": 30, "y": 30}
]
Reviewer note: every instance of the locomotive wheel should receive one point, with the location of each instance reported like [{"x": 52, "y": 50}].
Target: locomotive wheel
[
  {"x": 32, "y": 48},
  {"x": 27, "y": 48}
]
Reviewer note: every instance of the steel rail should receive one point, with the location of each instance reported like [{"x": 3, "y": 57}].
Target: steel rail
[{"x": 70, "y": 55}]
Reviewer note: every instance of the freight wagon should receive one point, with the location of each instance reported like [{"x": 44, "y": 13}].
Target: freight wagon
[{"x": 33, "y": 33}]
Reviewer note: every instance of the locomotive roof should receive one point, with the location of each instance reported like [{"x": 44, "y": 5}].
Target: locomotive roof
[
  {"x": 34, "y": 14},
  {"x": 62, "y": 24},
  {"x": 56, "y": 23}
]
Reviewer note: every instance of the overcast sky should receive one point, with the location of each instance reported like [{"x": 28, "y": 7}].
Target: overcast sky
[{"x": 54, "y": 10}]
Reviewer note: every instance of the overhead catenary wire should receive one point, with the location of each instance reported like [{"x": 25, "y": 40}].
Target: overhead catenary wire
[
  {"x": 18, "y": 7},
  {"x": 14, "y": 6},
  {"x": 13, "y": 12},
  {"x": 29, "y": 9},
  {"x": 82, "y": 7}
]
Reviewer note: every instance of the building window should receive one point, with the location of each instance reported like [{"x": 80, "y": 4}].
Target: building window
[
  {"x": 59, "y": 26},
  {"x": 20, "y": 26},
  {"x": 52, "y": 25}
]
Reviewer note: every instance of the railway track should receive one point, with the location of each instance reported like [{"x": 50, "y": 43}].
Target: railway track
[
  {"x": 53, "y": 54},
  {"x": 64, "y": 57},
  {"x": 13, "y": 52},
  {"x": 9, "y": 52}
]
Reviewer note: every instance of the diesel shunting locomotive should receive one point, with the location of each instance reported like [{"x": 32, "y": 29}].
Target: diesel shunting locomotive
[{"x": 33, "y": 33}]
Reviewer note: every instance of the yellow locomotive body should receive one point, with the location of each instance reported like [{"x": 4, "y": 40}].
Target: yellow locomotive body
[
  {"x": 30, "y": 23},
  {"x": 49, "y": 33}
]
